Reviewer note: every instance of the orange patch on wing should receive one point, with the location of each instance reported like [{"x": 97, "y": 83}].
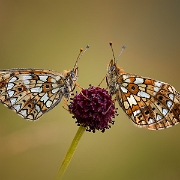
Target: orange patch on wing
[
  {"x": 29, "y": 105},
  {"x": 47, "y": 87},
  {"x": 39, "y": 72},
  {"x": 132, "y": 79},
  {"x": 3, "y": 83},
  {"x": 49, "y": 79},
  {"x": 135, "y": 107},
  {"x": 128, "y": 94},
  {"x": 129, "y": 111},
  {"x": 133, "y": 88},
  {"x": 149, "y": 81}
]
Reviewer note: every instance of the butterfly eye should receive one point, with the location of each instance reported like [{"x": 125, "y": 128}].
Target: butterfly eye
[
  {"x": 112, "y": 68},
  {"x": 72, "y": 74}
]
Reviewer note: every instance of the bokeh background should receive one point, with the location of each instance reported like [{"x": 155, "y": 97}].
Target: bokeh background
[{"x": 48, "y": 34}]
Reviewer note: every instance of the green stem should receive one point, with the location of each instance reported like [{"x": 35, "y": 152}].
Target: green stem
[{"x": 70, "y": 152}]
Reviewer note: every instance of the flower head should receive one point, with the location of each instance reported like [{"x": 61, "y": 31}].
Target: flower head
[{"x": 93, "y": 108}]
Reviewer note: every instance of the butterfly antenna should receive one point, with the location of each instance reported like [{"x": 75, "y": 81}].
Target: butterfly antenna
[
  {"x": 80, "y": 55},
  {"x": 120, "y": 53},
  {"x": 110, "y": 43}
]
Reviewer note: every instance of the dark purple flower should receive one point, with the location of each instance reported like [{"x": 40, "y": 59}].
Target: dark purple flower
[{"x": 93, "y": 108}]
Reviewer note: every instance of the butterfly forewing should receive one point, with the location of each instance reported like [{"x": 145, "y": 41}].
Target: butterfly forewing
[{"x": 33, "y": 92}]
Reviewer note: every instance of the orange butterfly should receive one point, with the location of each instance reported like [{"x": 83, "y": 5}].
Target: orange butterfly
[{"x": 148, "y": 103}]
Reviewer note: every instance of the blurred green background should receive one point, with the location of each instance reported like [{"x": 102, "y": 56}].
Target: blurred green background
[{"x": 48, "y": 34}]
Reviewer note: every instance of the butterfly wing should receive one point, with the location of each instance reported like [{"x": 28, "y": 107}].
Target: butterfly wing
[
  {"x": 149, "y": 103},
  {"x": 31, "y": 92}
]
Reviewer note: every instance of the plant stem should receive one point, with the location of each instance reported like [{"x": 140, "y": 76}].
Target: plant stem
[{"x": 70, "y": 152}]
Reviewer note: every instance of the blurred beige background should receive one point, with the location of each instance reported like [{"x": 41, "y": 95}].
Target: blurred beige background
[{"x": 48, "y": 34}]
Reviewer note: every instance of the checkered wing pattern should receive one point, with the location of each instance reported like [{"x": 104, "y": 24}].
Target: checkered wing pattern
[
  {"x": 32, "y": 92},
  {"x": 148, "y": 103}
]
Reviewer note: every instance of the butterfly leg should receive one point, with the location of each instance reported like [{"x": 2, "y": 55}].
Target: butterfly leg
[
  {"x": 102, "y": 81},
  {"x": 78, "y": 86},
  {"x": 80, "y": 89},
  {"x": 65, "y": 106}
]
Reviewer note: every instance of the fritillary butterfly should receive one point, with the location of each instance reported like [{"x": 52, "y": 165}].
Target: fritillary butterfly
[
  {"x": 32, "y": 92},
  {"x": 148, "y": 103}
]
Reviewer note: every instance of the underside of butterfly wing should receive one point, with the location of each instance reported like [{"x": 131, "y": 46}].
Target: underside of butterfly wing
[
  {"x": 31, "y": 92},
  {"x": 149, "y": 103}
]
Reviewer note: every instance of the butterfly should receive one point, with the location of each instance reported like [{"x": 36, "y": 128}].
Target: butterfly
[
  {"x": 148, "y": 103},
  {"x": 32, "y": 92}
]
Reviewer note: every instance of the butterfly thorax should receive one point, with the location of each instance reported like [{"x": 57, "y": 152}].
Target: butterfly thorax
[
  {"x": 71, "y": 77},
  {"x": 114, "y": 75}
]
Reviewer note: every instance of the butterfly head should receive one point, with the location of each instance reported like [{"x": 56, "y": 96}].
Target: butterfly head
[
  {"x": 113, "y": 72},
  {"x": 114, "y": 69},
  {"x": 71, "y": 75}
]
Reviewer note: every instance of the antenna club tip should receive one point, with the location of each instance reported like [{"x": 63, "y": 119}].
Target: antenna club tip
[
  {"x": 81, "y": 49},
  {"x": 110, "y": 43},
  {"x": 124, "y": 47},
  {"x": 88, "y": 46}
]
